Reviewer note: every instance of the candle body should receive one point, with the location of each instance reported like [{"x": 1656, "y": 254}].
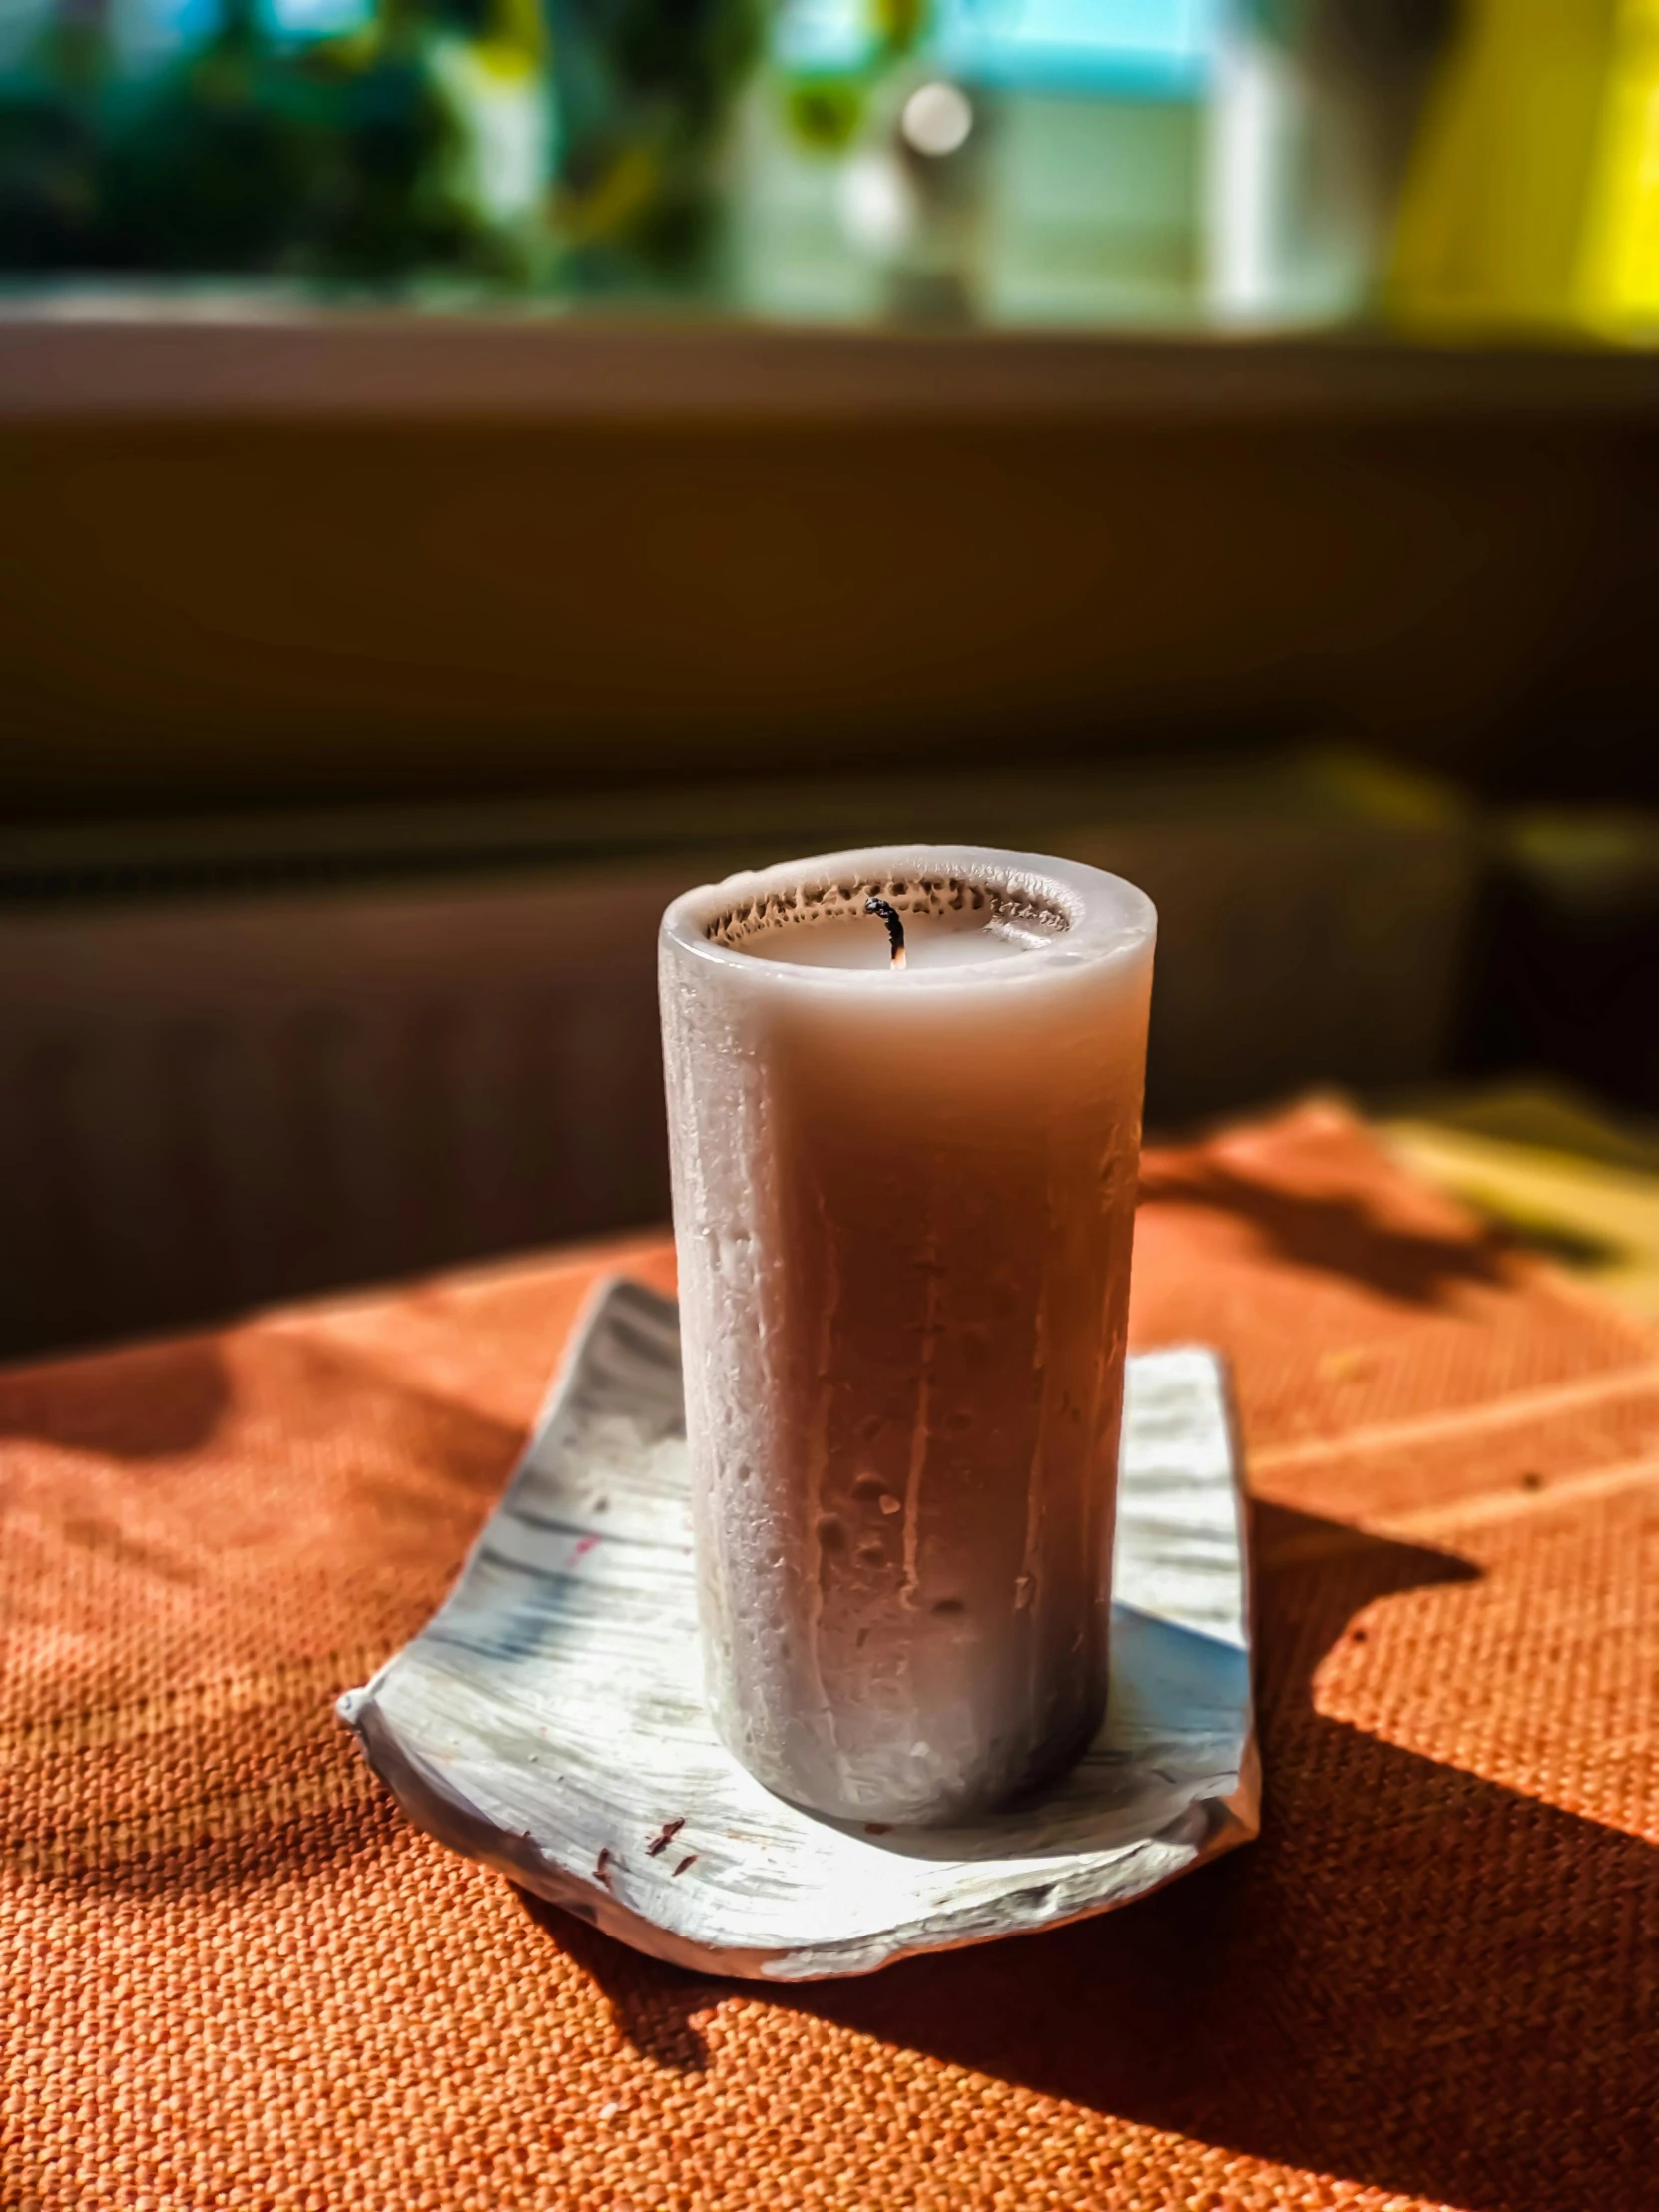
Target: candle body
[{"x": 904, "y": 1208}]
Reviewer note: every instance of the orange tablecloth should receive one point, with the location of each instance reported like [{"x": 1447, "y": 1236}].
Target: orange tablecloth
[{"x": 235, "y": 1978}]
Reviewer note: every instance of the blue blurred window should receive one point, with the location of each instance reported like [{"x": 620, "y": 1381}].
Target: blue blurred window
[
  {"x": 1157, "y": 49},
  {"x": 307, "y": 19},
  {"x": 829, "y": 38},
  {"x": 167, "y": 24}
]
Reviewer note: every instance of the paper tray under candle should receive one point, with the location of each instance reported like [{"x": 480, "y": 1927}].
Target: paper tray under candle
[{"x": 549, "y": 1720}]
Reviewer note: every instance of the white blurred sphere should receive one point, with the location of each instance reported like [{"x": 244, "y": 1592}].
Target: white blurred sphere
[{"x": 937, "y": 119}]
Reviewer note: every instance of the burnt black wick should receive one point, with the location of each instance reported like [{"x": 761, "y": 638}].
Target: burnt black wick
[{"x": 895, "y": 928}]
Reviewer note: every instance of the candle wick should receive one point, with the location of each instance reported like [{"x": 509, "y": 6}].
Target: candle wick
[{"x": 895, "y": 928}]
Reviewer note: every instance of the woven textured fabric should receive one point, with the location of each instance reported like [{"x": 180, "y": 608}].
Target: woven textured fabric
[{"x": 234, "y": 1976}]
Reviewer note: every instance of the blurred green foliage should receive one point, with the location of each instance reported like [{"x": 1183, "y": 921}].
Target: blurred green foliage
[
  {"x": 826, "y": 113},
  {"x": 826, "y": 109},
  {"x": 440, "y": 137},
  {"x": 644, "y": 89}
]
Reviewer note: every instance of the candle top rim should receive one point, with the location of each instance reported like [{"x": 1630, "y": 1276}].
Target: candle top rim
[{"x": 1101, "y": 918}]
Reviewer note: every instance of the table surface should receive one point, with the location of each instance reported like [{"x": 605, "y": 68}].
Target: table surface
[
  {"x": 113, "y": 353},
  {"x": 235, "y": 1978}
]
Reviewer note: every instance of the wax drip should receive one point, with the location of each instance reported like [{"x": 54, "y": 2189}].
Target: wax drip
[{"x": 895, "y": 928}]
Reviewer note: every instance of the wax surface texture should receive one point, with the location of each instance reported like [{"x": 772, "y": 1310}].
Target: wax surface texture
[{"x": 904, "y": 1206}]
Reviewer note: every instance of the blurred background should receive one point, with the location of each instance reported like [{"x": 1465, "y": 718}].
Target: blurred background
[
  {"x": 474, "y": 467},
  {"x": 1441, "y": 165}
]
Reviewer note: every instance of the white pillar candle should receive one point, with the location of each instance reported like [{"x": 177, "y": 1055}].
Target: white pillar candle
[{"x": 903, "y": 1200}]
